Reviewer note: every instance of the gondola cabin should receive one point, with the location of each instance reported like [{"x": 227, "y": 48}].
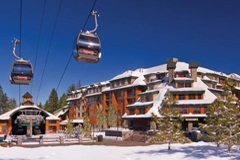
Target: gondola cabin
[
  {"x": 21, "y": 72},
  {"x": 87, "y": 48}
]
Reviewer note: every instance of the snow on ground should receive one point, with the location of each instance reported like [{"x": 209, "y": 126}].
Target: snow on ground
[{"x": 192, "y": 151}]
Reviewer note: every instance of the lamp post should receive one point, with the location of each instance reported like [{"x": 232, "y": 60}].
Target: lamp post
[{"x": 93, "y": 133}]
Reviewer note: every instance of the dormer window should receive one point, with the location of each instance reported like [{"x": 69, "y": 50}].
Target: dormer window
[
  {"x": 129, "y": 80},
  {"x": 123, "y": 82}
]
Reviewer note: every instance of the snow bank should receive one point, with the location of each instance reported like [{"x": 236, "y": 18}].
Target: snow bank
[{"x": 192, "y": 151}]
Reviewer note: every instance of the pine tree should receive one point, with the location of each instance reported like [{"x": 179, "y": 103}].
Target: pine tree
[
  {"x": 231, "y": 119},
  {"x": 6, "y": 103},
  {"x": 69, "y": 127},
  {"x": 46, "y": 106},
  {"x": 40, "y": 105},
  {"x": 223, "y": 119},
  {"x": 52, "y": 101},
  {"x": 111, "y": 116},
  {"x": 11, "y": 104},
  {"x": 99, "y": 118},
  {"x": 86, "y": 130},
  {"x": 71, "y": 88},
  {"x": 124, "y": 124},
  {"x": 62, "y": 101},
  {"x": 79, "y": 85},
  {"x": 170, "y": 124},
  {"x": 215, "y": 113},
  {"x": 231, "y": 124}
]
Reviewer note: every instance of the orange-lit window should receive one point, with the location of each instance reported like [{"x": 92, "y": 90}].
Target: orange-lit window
[
  {"x": 181, "y": 96},
  {"x": 191, "y": 96},
  {"x": 132, "y": 111},
  {"x": 196, "y": 110},
  {"x": 183, "y": 110}
]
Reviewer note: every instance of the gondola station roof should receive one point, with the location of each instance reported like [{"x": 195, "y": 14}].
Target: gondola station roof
[
  {"x": 8, "y": 114},
  {"x": 27, "y": 104}
]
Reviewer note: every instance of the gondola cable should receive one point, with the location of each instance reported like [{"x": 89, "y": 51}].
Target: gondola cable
[
  {"x": 20, "y": 48},
  {"x": 53, "y": 31},
  {"x": 39, "y": 35},
  {"x": 71, "y": 52}
]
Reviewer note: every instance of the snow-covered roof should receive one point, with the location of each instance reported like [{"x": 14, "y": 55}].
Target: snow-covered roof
[
  {"x": 187, "y": 89},
  {"x": 149, "y": 92},
  {"x": 183, "y": 79},
  {"x": 64, "y": 122},
  {"x": 238, "y": 88},
  {"x": 140, "y": 104},
  {"x": 136, "y": 116},
  {"x": 72, "y": 99},
  {"x": 62, "y": 112},
  {"x": 127, "y": 74},
  {"x": 235, "y": 76},
  {"x": 140, "y": 81},
  {"x": 155, "y": 81},
  {"x": 190, "y": 115},
  {"x": 8, "y": 114},
  {"x": 94, "y": 94}
]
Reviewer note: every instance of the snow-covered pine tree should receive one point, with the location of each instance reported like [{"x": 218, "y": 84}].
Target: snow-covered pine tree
[
  {"x": 231, "y": 123},
  {"x": 124, "y": 123},
  {"x": 69, "y": 127},
  {"x": 231, "y": 119},
  {"x": 87, "y": 128},
  {"x": 213, "y": 126},
  {"x": 170, "y": 124},
  {"x": 111, "y": 116},
  {"x": 99, "y": 118}
]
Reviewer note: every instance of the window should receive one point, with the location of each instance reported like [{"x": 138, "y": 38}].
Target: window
[
  {"x": 117, "y": 83},
  {"x": 221, "y": 81},
  {"x": 191, "y": 96},
  {"x": 182, "y": 75},
  {"x": 52, "y": 122},
  {"x": 187, "y": 84},
  {"x": 199, "y": 96},
  {"x": 131, "y": 92},
  {"x": 141, "y": 111},
  {"x": 122, "y": 82},
  {"x": 183, "y": 110},
  {"x": 196, "y": 110},
  {"x": 213, "y": 86},
  {"x": 150, "y": 87},
  {"x": 132, "y": 111},
  {"x": 149, "y": 98},
  {"x": 3, "y": 128},
  {"x": 131, "y": 100},
  {"x": 3, "y": 121},
  {"x": 147, "y": 79},
  {"x": 109, "y": 96},
  {"x": 129, "y": 81},
  {"x": 78, "y": 114},
  {"x": 180, "y": 85},
  {"x": 120, "y": 94},
  {"x": 181, "y": 96},
  {"x": 52, "y": 128}
]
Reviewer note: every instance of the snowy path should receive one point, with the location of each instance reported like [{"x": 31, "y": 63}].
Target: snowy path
[{"x": 193, "y": 151}]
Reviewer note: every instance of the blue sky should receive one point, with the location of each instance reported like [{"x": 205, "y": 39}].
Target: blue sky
[{"x": 134, "y": 34}]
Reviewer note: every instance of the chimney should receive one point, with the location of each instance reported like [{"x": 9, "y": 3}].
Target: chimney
[
  {"x": 193, "y": 65},
  {"x": 171, "y": 65}
]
